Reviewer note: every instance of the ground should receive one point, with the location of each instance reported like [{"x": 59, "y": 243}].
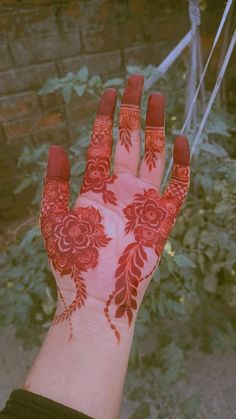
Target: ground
[{"x": 213, "y": 376}]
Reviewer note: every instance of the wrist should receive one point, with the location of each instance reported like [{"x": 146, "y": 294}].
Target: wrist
[{"x": 88, "y": 372}]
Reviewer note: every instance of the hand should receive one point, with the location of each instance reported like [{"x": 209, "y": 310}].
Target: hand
[{"x": 104, "y": 251}]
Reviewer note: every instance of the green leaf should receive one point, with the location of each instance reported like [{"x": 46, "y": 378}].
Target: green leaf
[
  {"x": 170, "y": 264},
  {"x": 67, "y": 92},
  {"x": 50, "y": 86},
  {"x": 172, "y": 357},
  {"x": 221, "y": 208},
  {"x": 214, "y": 149},
  {"x": 68, "y": 78},
  {"x": 210, "y": 283},
  {"x": 84, "y": 141},
  {"x": 48, "y": 307},
  {"x": 95, "y": 81},
  {"x": 114, "y": 82},
  {"x": 14, "y": 272},
  {"x": 184, "y": 261},
  {"x": 131, "y": 69},
  {"x": 78, "y": 168},
  {"x": 175, "y": 307},
  {"x": 168, "y": 247},
  {"x": 26, "y": 182},
  {"x": 29, "y": 236},
  {"x": 80, "y": 89},
  {"x": 207, "y": 183},
  {"x": 82, "y": 74}
]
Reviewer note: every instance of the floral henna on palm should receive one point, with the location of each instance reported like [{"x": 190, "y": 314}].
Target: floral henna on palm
[
  {"x": 128, "y": 123},
  {"x": 150, "y": 217},
  {"x": 97, "y": 176},
  {"x": 72, "y": 239},
  {"x": 154, "y": 146}
]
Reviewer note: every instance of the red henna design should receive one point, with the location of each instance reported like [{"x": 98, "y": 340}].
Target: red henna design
[
  {"x": 97, "y": 177},
  {"x": 177, "y": 187},
  {"x": 150, "y": 217},
  {"x": 72, "y": 239},
  {"x": 128, "y": 122},
  {"x": 55, "y": 198},
  {"x": 97, "y": 180},
  {"x": 154, "y": 146}
]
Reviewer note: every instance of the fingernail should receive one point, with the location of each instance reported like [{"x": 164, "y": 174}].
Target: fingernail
[
  {"x": 58, "y": 164},
  {"x": 181, "y": 151}
]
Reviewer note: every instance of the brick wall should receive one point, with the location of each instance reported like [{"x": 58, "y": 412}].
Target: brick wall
[{"x": 40, "y": 39}]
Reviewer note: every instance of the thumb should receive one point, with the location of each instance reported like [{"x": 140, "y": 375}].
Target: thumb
[
  {"x": 178, "y": 186},
  {"x": 56, "y": 184}
]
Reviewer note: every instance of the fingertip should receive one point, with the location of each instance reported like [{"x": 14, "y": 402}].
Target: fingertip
[
  {"x": 133, "y": 91},
  {"x": 58, "y": 166},
  {"x": 107, "y": 103},
  {"x": 181, "y": 151},
  {"x": 156, "y": 110}
]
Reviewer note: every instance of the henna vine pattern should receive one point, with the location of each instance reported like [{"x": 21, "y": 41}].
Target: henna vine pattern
[
  {"x": 97, "y": 177},
  {"x": 128, "y": 123},
  {"x": 150, "y": 217},
  {"x": 154, "y": 146},
  {"x": 72, "y": 240}
]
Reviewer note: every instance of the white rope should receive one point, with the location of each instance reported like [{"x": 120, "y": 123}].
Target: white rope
[
  {"x": 168, "y": 61},
  {"x": 194, "y": 15},
  {"x": 194, "y": 12},
  {"x": 214, "y": 92},
  {"x": 225, "y": 14}
]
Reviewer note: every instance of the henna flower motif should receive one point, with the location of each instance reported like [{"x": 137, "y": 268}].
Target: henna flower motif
[
  {"x": 72, "y": 240},
  {"x": 181, "y": 172},
  {"x": 145, "y": 211},
  {"x": 146, "y": 216},
  {"x": 150, "y": 218},
  {"x": 146, "y": 236},
  {"x": 97, "y": 177}
]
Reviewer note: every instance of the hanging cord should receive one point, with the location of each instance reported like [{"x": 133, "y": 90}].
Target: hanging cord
[
  {"x": 195, "y": 18},
  {"x": 226, "y": 11},
  {"x": 214, "y": 92},
  {"x": 222, "y": 98},
  {"x": 194, "y": 12},
  {"x": 168, "y": 61}
]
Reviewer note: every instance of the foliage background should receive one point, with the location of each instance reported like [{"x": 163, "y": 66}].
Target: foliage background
[{"x": 190, "y": 303}]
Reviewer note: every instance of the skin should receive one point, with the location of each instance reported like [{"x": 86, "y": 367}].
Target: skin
[{"x": 83, "y": 361}]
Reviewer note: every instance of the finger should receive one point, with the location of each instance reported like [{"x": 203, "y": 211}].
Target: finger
[
  {"x": 153, "y": 163},
  {"x": 97, "y": 171},
  {"x": 100, "y": 148},
  {"x": 178, "y": 186},
  {"x": 56, "y": 185},
  {"x": 128, "y": 146}
]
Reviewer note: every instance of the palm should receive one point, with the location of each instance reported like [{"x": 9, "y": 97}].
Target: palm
[{"x": 110, "y": 243}]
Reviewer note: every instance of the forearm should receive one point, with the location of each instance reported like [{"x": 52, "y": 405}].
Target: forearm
[{"x": 88, "y": 373}]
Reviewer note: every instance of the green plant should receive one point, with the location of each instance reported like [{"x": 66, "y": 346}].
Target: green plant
[{"x": 195, "y": 285}]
